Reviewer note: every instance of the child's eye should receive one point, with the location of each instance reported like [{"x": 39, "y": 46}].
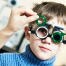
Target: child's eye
[{"x": 42, "y": 32}]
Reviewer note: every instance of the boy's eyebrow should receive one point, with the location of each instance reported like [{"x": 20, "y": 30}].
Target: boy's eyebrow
[{"x": 56, "y": 26}]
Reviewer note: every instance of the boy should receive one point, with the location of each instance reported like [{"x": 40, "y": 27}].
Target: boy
[
  {"x": 46, "y": 49},
  {"x": 40, "y": 52}
]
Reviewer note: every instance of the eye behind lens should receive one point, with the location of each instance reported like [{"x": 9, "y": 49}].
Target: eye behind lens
[{"x": 42, "y": 32}]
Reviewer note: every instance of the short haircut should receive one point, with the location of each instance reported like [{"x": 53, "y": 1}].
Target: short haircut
[{"x": 50, "y": 10}]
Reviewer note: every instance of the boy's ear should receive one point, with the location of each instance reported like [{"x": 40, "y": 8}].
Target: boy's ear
[
  {"x": 62, "y": 46},
  {"x": 26, "y": 29}
]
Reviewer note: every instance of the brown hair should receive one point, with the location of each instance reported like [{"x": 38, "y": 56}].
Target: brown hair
[{"x": 50, "y": 10}]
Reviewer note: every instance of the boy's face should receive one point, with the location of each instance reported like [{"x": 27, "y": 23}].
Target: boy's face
[{"x": 44, "y": 49}]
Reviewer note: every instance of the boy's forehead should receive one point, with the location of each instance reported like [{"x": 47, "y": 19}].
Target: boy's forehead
[{"x": 52, "y": 21}]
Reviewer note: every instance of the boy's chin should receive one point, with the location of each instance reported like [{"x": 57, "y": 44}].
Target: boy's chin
[{"x": 44, "y": 58}]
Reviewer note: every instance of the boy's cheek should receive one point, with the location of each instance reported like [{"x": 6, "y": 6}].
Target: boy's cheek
[
  {"x": 33, "y": 36},
  {"x": 62, "y": 46}
]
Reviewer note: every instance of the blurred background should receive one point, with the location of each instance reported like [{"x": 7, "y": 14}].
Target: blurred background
[{"x": 18, "y": 42}]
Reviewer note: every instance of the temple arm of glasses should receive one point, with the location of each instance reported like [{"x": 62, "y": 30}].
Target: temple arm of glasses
[{"x": 32, "y": 31}]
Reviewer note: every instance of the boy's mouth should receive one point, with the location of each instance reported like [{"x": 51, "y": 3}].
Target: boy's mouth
[{"x": 44, "y": 48}]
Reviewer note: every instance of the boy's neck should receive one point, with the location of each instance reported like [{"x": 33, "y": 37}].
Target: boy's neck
[{"x": 34, "y": 60}]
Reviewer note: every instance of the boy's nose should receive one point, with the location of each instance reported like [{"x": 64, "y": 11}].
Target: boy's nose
[{"x": 47, "y": 40}]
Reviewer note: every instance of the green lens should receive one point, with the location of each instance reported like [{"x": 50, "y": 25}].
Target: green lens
[
  {"x": 57, "y": 37},
  {"x": 41, "y": 22}
]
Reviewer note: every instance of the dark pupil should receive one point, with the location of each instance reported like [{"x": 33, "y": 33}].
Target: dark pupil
[
  {"x": 57, "y": 37},
  {"x": 43, "y": 30}
]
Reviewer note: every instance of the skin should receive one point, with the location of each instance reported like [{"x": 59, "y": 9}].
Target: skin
[
  {"x": 36, "y": 43},
  {"x": 16, "y": 22}
]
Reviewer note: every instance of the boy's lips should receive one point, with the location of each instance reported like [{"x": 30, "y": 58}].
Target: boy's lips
[{"x": 44, "y": 48}]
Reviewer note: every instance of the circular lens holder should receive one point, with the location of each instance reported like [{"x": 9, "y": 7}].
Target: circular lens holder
[
  {"x": 57, "y": 37},
  {"x": 43, "y": 28},
  {"x": 43, "y": 22}
]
